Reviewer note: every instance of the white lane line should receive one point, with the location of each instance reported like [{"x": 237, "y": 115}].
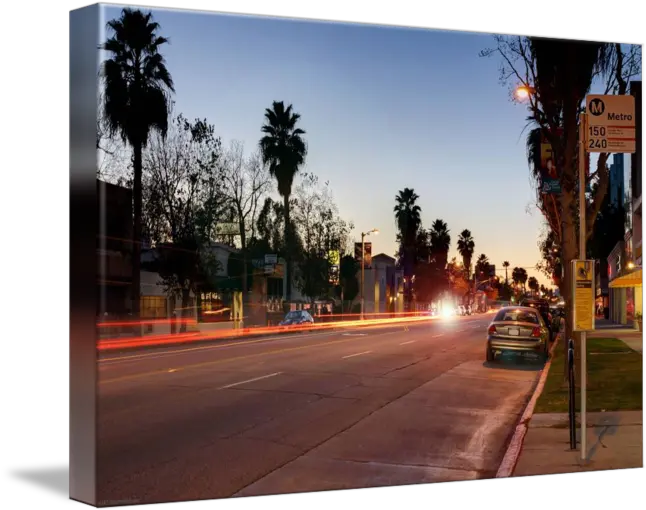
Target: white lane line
[
  {"x": 355, "y": 334},
  {"x": 409, "y": 342},
  {"x": 357, "y": 354},
  {"x": 436, "y": 336},
  {"x": 250, "y": 380}
]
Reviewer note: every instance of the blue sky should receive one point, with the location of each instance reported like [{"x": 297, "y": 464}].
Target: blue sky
[{"x": 384, "y": 109}]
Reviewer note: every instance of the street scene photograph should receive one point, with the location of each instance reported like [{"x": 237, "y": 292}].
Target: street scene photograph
[{"x": 340, "y": 256}]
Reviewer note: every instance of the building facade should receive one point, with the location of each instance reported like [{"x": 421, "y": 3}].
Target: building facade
[
  {"x": 616, "y": 181},
  {"x": 114, "y": 251},
  {"x": 625, "y": 261}
]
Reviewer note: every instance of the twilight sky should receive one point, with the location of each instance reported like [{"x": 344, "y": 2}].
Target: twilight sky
[{"x": 384, "y": 108}]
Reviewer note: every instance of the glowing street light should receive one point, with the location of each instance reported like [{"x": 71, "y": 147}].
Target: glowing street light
[
  {"x": 631, "y": 265},
  {"x": 524, "y": 91}
]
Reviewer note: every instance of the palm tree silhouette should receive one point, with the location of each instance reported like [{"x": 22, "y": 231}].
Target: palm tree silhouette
[
  {"x": 135, "y": 102},
  {"x": 408, "y": 219},
  {"x": 283, "y": 149},
  {"x": 466, "y": 246},
  {"x": 440, "y": 242},
  {"x": 506, "y": 265}
]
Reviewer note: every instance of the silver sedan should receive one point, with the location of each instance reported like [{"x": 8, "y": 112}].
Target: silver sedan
[{"x": 519, "y": 329}]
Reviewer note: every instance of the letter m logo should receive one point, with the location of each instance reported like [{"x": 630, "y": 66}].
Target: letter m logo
[{"x": 596, "y": 107}]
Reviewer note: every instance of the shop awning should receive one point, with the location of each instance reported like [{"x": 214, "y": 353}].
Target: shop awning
[{"x": 633, "y": 279}]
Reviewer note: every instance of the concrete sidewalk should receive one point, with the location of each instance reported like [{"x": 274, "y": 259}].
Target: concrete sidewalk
[
  {"x": 614, "y": 442},
  {"x": 615, "y": 439}
]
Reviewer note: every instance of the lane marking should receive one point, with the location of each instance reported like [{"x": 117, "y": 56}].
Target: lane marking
[
  {"x": 436, "y": 336},
  {"x": 358, "y": 354},
  {"x": 250, "y": 380},
  {"x": 409, "y": 342},
  {"x": 355, "y": 334},
  {"x": 235, "y": 358}
]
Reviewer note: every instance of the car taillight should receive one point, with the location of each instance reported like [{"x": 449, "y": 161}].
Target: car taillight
[
  {"x": 492, "y": 330},
  {"x": 536, "y": 332}
]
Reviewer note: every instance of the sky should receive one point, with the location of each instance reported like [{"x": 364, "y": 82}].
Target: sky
[{"x": 383, "y": 109}]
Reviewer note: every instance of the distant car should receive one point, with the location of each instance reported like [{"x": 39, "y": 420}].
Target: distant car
[
  {"x": 518, "y": 329},
  {"x": 543, "y": 307},
  {"x": 297, "y": 318}
]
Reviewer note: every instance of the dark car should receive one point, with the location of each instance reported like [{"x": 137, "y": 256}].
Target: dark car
[
  {"x": 296, "y": 318},
  {"x": 543, "y": 307},
  {"x": 518, "y": 329}
]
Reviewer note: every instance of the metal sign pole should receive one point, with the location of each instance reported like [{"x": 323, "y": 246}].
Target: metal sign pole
[{"x": 582, "y": 255}]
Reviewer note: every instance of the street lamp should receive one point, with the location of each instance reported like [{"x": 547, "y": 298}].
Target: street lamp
[
  {"x": 363, "y": 259},
  {"x": 524, "y": 91},
  {"x": 631, "y": 265}
]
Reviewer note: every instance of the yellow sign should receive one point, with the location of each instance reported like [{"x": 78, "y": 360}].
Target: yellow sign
[{"x": 584, "y": 288}]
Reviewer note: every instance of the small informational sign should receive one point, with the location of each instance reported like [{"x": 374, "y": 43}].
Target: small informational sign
[
  {"x": 584, "y": 294},
  {"x": 550, "y": 181},
  {"x": 610, "y": 123},
  {"x": 271, "y": 259}
]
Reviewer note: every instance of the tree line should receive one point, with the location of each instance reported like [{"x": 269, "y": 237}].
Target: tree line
[
  {"x": 187, "y": 186},
  {"x": 422, "y": 255}
]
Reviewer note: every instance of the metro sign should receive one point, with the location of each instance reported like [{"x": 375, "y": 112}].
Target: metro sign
[{"x": 610, "y": 123}]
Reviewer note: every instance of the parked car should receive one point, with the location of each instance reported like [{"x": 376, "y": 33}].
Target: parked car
[
  {"x": 518, "y": 329},
  {"x": 543, "y": 307},
  {"x": 297, "y": 318}
]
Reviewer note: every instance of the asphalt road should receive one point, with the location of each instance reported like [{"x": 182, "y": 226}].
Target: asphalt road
[{"x": 314, "y": 411}]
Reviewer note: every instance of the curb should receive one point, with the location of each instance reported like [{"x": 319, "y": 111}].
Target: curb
[{"x": 509, "y": 461}]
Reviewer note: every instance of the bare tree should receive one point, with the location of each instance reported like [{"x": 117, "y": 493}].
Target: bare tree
[
  {"x": 113, "y": 156},
  {"x": 183, "y": 199},
  {"x": 247, "y": 184}
]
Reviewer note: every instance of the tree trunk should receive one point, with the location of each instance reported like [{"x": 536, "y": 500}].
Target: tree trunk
[
  {"x": 136, "y": 237},
  {"x": 185, "y": 311},
  {"x": 243, "y": 246},
  {"x": 288, "y": 258}
]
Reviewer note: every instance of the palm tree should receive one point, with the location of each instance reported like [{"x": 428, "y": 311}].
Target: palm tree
[
  {"x": 283, "y": 149},
  {"x": 408, "y": 219},
  {"x": 136, "y": 102},
  {"x": 519, "y": 276},
  {"x": 506, "y": 265},
  {"x": 466, "y": 246},
  {"x": 532, "y": 283},
  {"x": 440, "y": 242},
  {"x": 482, "y": 265}
]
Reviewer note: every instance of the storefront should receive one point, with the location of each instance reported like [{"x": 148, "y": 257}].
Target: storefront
[{"x": 626, "y": 296}]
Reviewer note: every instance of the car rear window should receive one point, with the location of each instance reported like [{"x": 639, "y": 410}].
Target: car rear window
[{"x": 517, "y": 316}]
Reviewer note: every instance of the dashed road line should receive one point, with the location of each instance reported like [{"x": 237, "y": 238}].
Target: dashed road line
[
  {"x": 357, "y": 354},
  {"x": 250, "y": 380},
  {"x": 409, "y": 342}
]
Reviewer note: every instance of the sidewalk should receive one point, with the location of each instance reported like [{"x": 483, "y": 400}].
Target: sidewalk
[
  {"x": 626, "y": 333},
  {"x": 614, "y": 442},
  {"x": 615, "y": 439}
]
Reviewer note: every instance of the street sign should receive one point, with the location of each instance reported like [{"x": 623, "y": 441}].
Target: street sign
[
  {"x": 227, "y": 229},
  {"x": 271, "y": 259},
  {"x": 583, "y": 291},
  {"x": 610, "y": 123}
]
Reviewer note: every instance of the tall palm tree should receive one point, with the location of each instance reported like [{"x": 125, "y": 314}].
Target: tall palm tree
[
  {"x": 466, "y": 246},
  {"x": 440, "y": 242},
  {"x": 283, "y": 149},
  {"x": 506, "y": 265},
  {"x": 408, "y": 219},
  {"x": 532, "y": 283},
  {"x": 135, "y": 102},
  {"x": 482, "y": 264}
]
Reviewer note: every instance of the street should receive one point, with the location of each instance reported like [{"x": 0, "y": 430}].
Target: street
[{"x": 363, "y": 407}]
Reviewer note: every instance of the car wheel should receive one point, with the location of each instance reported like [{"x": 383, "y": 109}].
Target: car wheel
[{"x": 491, "y": 356}]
